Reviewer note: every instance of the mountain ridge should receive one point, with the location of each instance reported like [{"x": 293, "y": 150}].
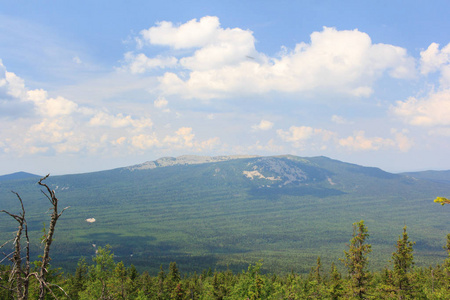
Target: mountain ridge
[
  {"x": 284, "y": 209},
  {"x": 17, "y": 175}
]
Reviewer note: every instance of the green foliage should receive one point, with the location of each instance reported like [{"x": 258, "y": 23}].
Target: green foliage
[
  {"x": 99, "y": 274},
  {"x": 447, "y": 261},
  {"x": 335, "y": 285},
  {"x": 356, "y": 259},
  {"x": 442, "y": 200},
  {"x": 402, "y": 260},
  {"x": 107, "y": 279}
]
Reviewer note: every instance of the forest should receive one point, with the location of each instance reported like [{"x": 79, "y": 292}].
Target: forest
[
  {"x": 105, "y": 275},
  {"x": 104, "y": 278}
]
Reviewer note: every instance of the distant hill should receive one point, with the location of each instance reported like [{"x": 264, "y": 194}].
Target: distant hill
[
  {"x": 231, "y": 211},
  {"x": 17, "y": 175},
  {"x": 438, "y": 176}
]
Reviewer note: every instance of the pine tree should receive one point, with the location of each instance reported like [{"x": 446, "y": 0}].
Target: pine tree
[
  {"x": 173, "y": 277},
  {"x": 318, "y": 270},
  {"x": 161, "y": 286},
  {"x": 402, "y": 259},
  {"x": 447, "y": 261},
  {"x": 120, "y": 273},
  {"x": 356, "y": 259},
  {"x": 335, "y": 289}
]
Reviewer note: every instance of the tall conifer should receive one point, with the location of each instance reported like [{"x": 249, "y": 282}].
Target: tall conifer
[
  {"x": 402, "y": 259},
  {"x": 356, "y": 259}
]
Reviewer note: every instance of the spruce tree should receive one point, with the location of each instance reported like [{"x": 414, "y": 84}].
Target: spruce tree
[
  {"x": 447, "y": 261},
  {"x": 402, "y": 259},
  {"x": 335, "y": 288},
  {"x": 356, "y": 259}
]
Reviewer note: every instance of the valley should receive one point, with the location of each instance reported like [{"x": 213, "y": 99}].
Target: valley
[{"x": 228, "y": 212}]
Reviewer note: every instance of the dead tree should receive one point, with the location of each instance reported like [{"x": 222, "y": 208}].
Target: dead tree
[
  {"x": 48, "y": 239},
  {"x": 20, "y": 272}
]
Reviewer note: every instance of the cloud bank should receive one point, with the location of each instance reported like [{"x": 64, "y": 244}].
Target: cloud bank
[{"x": 206, "y": 61}]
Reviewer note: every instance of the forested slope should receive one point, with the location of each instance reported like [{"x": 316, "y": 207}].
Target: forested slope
[{"x": 286, "y": 210}]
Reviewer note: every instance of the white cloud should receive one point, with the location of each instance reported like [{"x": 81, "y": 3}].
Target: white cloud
[
  {"x": 433, "y": 110},
  {"x": 52, "y": 131},
  {"x": 145, "y": 141},
  {"x": 303, "y": 133},
  {"x": 189, "y": 35},
  {"x": 140, "y": 63},
  {"x": 184, "y": 138},
  {"x": 263, "y": 125},
  {"x": 345, "y": 62},
  {"x": 12, "y": 85},
  {"x": 340, "y": 120},
  {"x": 119, "y": 121},
  {"x": 51, "y": 107},
  {"x": 359, "y": 142},
  {"x": 432, "y": 59},
  {"x": 59, "y": 125},
  {"x": 302, "y": 136},
  {"x": 160, "y": 102}
]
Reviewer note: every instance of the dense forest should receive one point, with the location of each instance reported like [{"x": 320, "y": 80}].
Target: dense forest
[{"x": 104, "y": 278}]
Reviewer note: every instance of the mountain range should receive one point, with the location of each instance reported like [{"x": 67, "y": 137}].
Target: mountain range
[{"x": 229, "y": 211}]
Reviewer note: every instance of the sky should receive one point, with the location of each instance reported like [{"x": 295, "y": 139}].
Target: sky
[{"x": 96, "y": 85}]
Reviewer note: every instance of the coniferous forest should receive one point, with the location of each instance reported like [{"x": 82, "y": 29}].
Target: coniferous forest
[
  {"x": 28, "y": 272},
  {"x": 102, "y": 277}
]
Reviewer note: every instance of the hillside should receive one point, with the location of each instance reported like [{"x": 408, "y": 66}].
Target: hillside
[
  {"x": 18, "y": 175},
  {"x": 214, "y": 212}
]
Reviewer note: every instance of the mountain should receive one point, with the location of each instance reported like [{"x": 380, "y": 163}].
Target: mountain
[
  {"x": 17, "y": 175},
  {"x": 231, "y": 211},
  {"x": 438, "y": 176}
]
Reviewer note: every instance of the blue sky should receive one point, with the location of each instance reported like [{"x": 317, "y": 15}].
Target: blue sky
[{"x": 94, "y": 85}]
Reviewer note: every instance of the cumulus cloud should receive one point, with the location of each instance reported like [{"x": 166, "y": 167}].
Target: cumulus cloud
[
  {"x": 60, "y": 125},
  {"x": 119, "y": 121},
  {"x": 188, "y": 35},
  {"x": 433, "y": 109},
  {"x": 144, "y": 141},
  {"x": 161, "y": 102},
  {"x": 12, "y": 95},
  {"x": 340, "y": 120},
  {"x": 12, "y": 87},
  {"x": 429, "y": 111},
  {"x": 217, "y": 62},
  {"x": 140, "y": 63},
  {"x": 432, "y": 59},
  {"x": 300, "y": 135},
  {"x": 184, "y": 137},
  {"x": 51, "y": 107},
  {"x": 263, "y": 125},
  {"x": 359, "y": 142}
]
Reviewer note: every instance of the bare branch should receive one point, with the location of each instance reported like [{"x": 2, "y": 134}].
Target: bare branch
[
  {"x": 5, "y": 244},
  {"x": 47, "y": 196}
]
